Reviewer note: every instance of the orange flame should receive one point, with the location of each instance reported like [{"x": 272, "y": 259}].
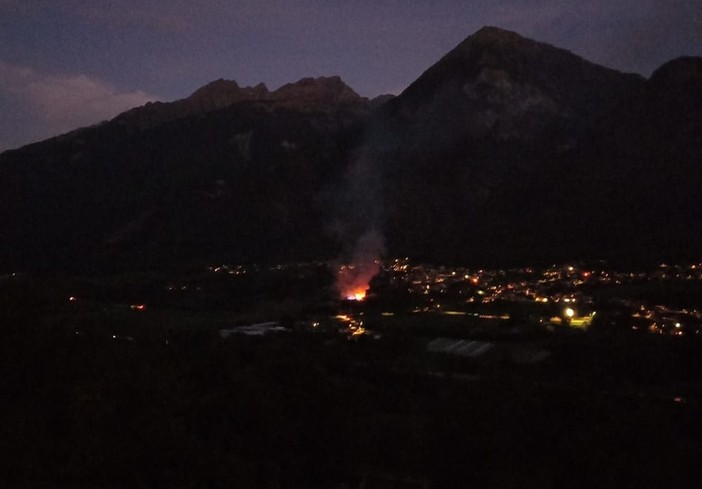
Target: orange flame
[
  {"x": 357, "y": 295},
  {"x": 353, "y": 280}
]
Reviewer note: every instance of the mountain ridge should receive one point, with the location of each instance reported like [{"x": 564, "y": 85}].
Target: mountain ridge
[
  {"x": 316, "y": 93},
  {"x": 476, "y": 161}
]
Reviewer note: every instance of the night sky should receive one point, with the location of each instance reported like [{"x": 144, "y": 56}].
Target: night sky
[{"x": 70, "y": 63}]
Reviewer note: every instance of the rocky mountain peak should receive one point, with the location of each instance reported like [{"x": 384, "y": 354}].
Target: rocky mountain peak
[
  {"x": 216, "y": 86},
  {"x": 215, "y": 95},
  {"x": 221, "y": 93},
  {"x": 495, "y": 47},
  {"x": 316, "y": 91},
  {"x": 495, "y": 35},
  {"x": 497, "y": 84}
]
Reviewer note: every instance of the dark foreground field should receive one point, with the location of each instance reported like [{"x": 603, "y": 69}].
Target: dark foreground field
[{"x": 165, "y": 405}]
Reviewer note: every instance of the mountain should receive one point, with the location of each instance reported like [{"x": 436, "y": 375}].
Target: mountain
[
  {"x": 640, "y": 170},
  {"x": 500, "y": 86},
  {"x": 241, "y": 173},
  {"x": 486, "y": 125},
  {"x": 506, "y": 150}
]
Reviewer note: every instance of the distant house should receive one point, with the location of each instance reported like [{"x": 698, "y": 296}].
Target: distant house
[
  {"x": 463, "y": 348},
  {"x": 488, "y": 351},
  {"x": 258, "y": 329}
]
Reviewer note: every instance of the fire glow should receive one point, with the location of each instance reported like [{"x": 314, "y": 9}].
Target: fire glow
[
  {"x": 353, "y": 280},
  {"x": 357, "y": 295}
]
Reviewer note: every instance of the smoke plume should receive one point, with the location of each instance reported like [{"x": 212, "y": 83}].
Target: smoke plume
[{"x": 360, "y": 224}]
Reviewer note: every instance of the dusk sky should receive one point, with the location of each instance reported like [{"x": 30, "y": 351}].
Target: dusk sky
[{"x": 70, "y": 63}]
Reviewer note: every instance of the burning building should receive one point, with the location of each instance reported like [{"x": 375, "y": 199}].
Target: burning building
[{"x": 353, "y": 278}]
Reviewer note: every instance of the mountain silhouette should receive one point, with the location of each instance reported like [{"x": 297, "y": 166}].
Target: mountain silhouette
[{"x": 506, "y": 150}]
